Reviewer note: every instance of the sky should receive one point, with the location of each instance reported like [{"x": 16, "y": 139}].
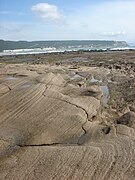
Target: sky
[{"x": 67, "y": 20}]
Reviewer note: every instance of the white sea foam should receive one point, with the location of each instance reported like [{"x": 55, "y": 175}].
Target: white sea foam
[{"x": 62, "y": 49}]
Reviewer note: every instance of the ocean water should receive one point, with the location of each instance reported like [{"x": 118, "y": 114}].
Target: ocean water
[{"x": 61, "y": 49}]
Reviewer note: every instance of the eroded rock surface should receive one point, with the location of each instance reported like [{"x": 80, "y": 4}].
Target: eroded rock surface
[{"x": 54, "y": 125}]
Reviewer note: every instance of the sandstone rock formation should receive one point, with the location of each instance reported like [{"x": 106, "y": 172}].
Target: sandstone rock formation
[{"x": 54, "y": 126}]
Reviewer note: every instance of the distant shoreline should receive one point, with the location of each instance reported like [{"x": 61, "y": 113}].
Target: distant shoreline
[
  {"x": 34, "y": 47},
  {"x": 61, "y": 51}
]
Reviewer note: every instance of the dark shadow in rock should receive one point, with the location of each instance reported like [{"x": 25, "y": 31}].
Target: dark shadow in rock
[
  {"x": 127, "y": 119},
  {"x": 21, "y": 75},
  {"x": 132, "y": 108},
  {"x": 106, "y": 130},
  {"x": 89, "y": 93},
  {"x": 93, "y": 118},
  {"x": 84, "y": 74}
]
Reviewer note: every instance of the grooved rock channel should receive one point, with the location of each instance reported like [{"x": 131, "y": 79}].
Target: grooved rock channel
[{"x": 54, "y": 125}]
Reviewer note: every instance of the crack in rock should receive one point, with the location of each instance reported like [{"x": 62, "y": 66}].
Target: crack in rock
[
  {"x": 87, "y": 116},
  {"x": 85, "y": 132},
  {"x": 51, "y": 144},
  {"x": 8, "y": 87}
]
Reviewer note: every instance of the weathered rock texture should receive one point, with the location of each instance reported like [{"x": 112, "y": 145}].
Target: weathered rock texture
[{"x": 53, "y": 126}]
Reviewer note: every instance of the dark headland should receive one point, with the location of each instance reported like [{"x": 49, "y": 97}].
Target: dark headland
[{"x": 10, "y": 45}]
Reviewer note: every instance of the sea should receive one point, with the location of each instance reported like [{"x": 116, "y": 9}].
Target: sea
[{"x": 62, "y": 49}]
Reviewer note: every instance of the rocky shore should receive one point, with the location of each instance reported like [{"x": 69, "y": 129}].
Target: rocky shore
[{"x": 68, "y": 116}]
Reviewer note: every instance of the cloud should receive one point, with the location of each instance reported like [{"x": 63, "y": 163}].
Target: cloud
[
  {"x": 109, "y": 20},
  {"x": 113, "y": 34},
  {"x": 106, "y": 20},
  {"x": 48, "y": 12},
  {"x": 14, "y": 27},
  {"x": 18, "y": 30}
]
